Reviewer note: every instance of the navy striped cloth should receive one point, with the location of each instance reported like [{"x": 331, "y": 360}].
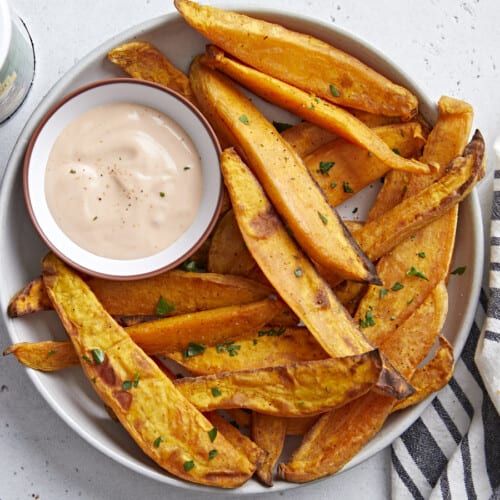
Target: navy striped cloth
[{"x": 453, "y": 450}]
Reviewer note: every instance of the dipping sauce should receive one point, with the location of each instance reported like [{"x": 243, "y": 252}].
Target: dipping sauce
[{"x": 123, "y": 181}]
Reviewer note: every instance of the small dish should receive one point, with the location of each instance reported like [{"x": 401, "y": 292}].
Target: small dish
[{"x": 45, "y": 219}]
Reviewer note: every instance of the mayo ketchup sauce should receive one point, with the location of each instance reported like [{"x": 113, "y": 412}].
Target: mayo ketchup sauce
[{"x": 123, "y": 181}]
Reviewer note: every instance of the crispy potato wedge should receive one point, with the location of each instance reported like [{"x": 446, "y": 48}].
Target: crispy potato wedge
[
  {"x": 141, "y": 59},
  {"x": 290, "y": 272},
  {"x": 293, "y": 390},
  {"x": 312, "y": 108},
  {"x": 47, "y": 356},
  {"x": 314, "y": 223},
  {"x": 432, "y": 377},
  {"x": 378, "y": 236},
  {"x": 340, "y": 434},
  {"x": 185, "y": 292},
  {"x": 269, "y": 433},
  {"x": 342, "y": 168},
  {"x": 270, "y": 346},
  {"x": 299, "y": 59},
  {"x": 152, "y": 410}
]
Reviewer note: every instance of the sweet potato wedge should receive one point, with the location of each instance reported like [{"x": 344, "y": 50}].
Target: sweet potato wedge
[
  {"x": 143, "y": 399},
  {"x": 340, "y": 434},
  {"x": 141, "y": 59},
  {"x": 293, "y": 390},
  {"x": 431, "y": 377},
  {"x": 342, "y": 168},
  {"x": 314, "y": 223},
  {"x": 299, "y": 59},
  {"x": 29, "y": 299},
  {"x": 291, "y": 273},
  {"x": 312, "y": 108}
]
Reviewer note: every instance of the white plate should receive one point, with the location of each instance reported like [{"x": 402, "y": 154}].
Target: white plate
[{"x": 68, "y": 392}]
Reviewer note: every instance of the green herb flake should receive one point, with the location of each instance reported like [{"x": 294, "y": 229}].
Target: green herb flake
[
  {"x": 325, "y": 166},
  {"x": 187, "y": 167},
  {"x": 369, "y": 320},
  {"x": 51, "y": 353},
  {"x": 98, "y": 356},
  {"x": 94, "y": 379},
  {"x": 244, "y": 119},
  {"x": 333, "y": 185},
  {"x": 188, "y": 465},
  {"x": 191, "y": 266},
  {"x": 272, "y": 332},
  {"x": 230, "y": 347},
  {"x": 323, "y": 218},
  {"x": 158, "y": 441},
  {"x": 162, "y": 194},
  {"x": 137, "y": 376},
  {"x": 334, "y": 91},
  {"x": 397, "y": 286},
  {"x": 421, "y": 255},
  {"x": 127, "y": 385},
  {"x": 383, "y": 292},
  {"x": 413, "y": 271},
  {"x": 87, "y": 359},
  {"x": 459, "y": 270},
  {"x": 212, "y": 434},
  {"x": 347, "y": 188},
  {"x": 163, "y": 307},
  {"x": 215, "y": 392},
  {"x": 281, "y": 127},
  {"x": 72, "y": 171},
  {"x": 212, "y": 454},
  {"x": 298, "y": 272},
  {"x": 410, "y": 301},
  {"x": 94, "y": 218},
  {"x": 194, "y": 349},
  {"x": 396, "y": 151}
]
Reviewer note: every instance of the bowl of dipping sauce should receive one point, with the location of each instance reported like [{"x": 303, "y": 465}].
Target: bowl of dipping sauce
[{"x": 122, "y": 179}]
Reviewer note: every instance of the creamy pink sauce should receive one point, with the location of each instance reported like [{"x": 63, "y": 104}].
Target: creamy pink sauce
[{"x": 123, "y": 181}]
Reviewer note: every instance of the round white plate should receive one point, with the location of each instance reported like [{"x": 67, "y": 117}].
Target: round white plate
[{"x": 68, "y": 392}]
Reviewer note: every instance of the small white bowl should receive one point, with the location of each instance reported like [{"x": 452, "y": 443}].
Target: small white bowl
[{"x": 113, "y": 91}]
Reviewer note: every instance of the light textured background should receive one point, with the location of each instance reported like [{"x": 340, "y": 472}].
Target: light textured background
[{"x": 450, "y": 47}]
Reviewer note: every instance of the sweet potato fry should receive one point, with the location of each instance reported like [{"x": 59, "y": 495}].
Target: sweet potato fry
[
  {"x": 30, "y": 299},
  {"x": 299, "y": 59},
  {"x": 143, "y": 399},
  {"x": 432, "y": 377},
  {"x": 270, "y": 346},
  {"x": 293, "y": 390},
  {"x": 48, "y": 355},
  {"x": 312, "y": 108},
  {"x": 342, "y": 168},
  {"x": 391, "y": 193},
  {"x": 290, "y": 272},
  {"x": 140, "y": 59},
  {"x": 339, "y": 434},
  {"x": 269, "y": 433},
  {"x": 315, "y": 225}
]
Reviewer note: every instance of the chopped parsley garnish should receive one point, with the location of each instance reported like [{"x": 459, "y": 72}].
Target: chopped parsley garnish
[
  {"x": 193, "y": 349},
  {"x": 334, "y": 91},
  {"x": 272, "y": 332},
  {"x": 397, "y": 286},
  {"x": 72, "y": 171},
  {"x": 163, "y": 307},
  {"x": 162, "y": 194},
  {"x": 368, "y": 321},
  {"x": 188, "y": 465},
  {"x": 229, "y": 347},
  {"x": 244, "y": 119},
  {"x": 187, "y": 167},
  {"x": 212, "y": 434},
  {"x": 280, "y": 126},
  {"x": 87, "y": 359},
  {"x": 137, "y": 376},
  {"x": 215, "y": 392},
  {"x": 325, "y": 166},
  {"x": 127, "y": 385},
  {"x": 323, "y": 218},
  {"x": 396, "y": 151},
  {"x": 51, "y": 353},
  {"x": 459, "y": 270},
  {"x": 298, "y": 272},
  {"x": 347, "y": 188},
  {"x": 212, "y": 454},
  {"x": 158, "y": 441},
  {"x": 421, "y": 255},
  {"x": 383, "y": 292},
  {"x": 413, "y": 271},
  {"x": 98, "y": 356},
  {"x": 333, "y": 184}
]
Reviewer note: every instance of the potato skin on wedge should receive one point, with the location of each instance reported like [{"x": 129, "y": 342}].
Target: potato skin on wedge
[{"x": 141, "y": 396}]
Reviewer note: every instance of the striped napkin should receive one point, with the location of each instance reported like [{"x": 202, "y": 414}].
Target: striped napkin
[{"x": 453, "y": 450}]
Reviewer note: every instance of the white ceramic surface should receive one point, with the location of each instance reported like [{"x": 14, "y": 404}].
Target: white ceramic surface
[
  {"x": 146, "y": 94},
  {"x": 68, "y": 393}
]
